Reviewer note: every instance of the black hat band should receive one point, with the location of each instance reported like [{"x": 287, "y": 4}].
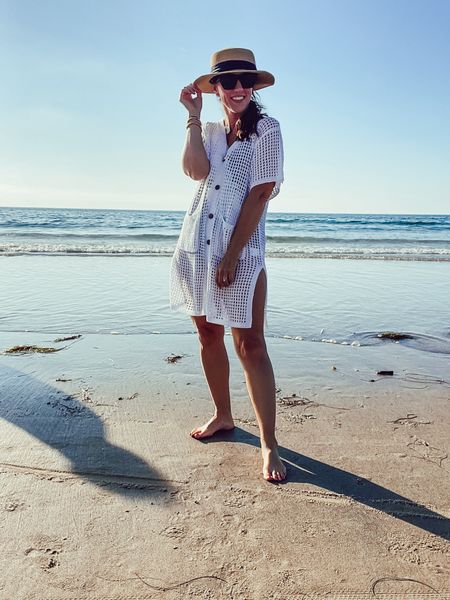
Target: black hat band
[{"x": 233, "y": 65}]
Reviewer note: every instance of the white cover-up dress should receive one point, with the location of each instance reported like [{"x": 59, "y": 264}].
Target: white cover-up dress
[{"x": 210, "y": 221}]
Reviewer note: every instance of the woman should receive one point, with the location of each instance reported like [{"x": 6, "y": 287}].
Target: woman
[{"x": 218, "y": 270}]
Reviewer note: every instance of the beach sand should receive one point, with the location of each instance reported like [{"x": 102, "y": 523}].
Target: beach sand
[{"x": 105, "y": 496}]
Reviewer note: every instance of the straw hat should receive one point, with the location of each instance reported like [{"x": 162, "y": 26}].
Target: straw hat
[{"x": 233, "y": 60}]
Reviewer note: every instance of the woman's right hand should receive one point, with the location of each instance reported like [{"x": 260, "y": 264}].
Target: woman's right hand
[{"x": 193, "y": 105}]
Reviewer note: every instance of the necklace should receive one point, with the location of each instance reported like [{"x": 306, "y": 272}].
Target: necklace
[{"x": 227, "y": 127}]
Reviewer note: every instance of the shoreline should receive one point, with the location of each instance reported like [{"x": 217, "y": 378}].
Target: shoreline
[{"x": 420, "y": 343}]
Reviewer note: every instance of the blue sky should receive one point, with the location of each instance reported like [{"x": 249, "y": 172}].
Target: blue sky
[{"x": 90, "y": 113}]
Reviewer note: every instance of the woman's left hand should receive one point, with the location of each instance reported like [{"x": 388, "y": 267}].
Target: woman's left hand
[{"x": 226, "y": 271}]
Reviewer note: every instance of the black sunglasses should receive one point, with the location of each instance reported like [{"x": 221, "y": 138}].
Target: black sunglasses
[{"x": 229, "y": 80}]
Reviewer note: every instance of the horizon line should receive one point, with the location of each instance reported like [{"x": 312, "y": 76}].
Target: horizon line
[{"x": 183, "y": 211}]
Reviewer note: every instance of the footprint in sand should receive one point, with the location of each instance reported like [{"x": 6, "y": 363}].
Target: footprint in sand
[
  {"x": 12, "y": 504},
  {"x": 434, "y": 554},
  {"x": 44, "y": 552}
]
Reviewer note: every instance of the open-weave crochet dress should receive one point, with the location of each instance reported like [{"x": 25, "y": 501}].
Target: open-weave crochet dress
[{"x": 210, "y": 221}]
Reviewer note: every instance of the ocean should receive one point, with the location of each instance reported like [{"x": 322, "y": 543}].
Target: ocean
[
  {"x": 55, "y": 231},
  {"x": 66, "y": 271}
]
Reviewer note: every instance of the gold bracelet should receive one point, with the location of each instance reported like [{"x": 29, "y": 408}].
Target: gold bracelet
[
  {"x": 193, "y": 123},
  {"x": 194, "y": 120}
]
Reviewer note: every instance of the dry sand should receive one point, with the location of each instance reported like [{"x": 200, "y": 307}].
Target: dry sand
[{"x": 105, "y": 496}]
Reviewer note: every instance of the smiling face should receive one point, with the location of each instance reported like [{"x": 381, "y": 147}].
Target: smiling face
[{"x": 235, "y": 100}]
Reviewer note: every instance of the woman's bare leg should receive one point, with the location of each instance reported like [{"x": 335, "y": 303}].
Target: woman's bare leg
[
  {"x": 216, "y": 367},
  {"x": 252, "y": 352}
]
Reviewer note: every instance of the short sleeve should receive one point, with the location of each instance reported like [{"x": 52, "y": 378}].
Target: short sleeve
[
  {"x": 206, "y": 137},
  {"x": 267, "y": 159}
]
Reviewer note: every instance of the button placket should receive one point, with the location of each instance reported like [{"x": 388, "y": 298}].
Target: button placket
[{"x": 212, "y": 208}]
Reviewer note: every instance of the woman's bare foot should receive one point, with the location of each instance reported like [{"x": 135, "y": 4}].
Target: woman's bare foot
[
  {"x": 213, "y": 425},
  {"x": 273, "y": 468}
]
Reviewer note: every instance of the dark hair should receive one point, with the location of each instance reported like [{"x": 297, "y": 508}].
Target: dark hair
[{"x": 246, "y": 125}]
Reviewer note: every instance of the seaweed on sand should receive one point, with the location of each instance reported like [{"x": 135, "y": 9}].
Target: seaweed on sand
[
  {"x": 173, "y": 358},
  {"x": 70, "y": 337},
  {"x": 393, "y": 335},
  {"x": 29, "y": 349}
]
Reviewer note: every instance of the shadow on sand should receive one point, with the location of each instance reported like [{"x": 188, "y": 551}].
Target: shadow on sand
[
  {"x": 68, "y": 425},
  {"x": 303, "y": 469}
]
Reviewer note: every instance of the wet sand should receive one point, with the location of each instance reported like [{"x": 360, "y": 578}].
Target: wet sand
[{"x": 105, "y": 495}]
